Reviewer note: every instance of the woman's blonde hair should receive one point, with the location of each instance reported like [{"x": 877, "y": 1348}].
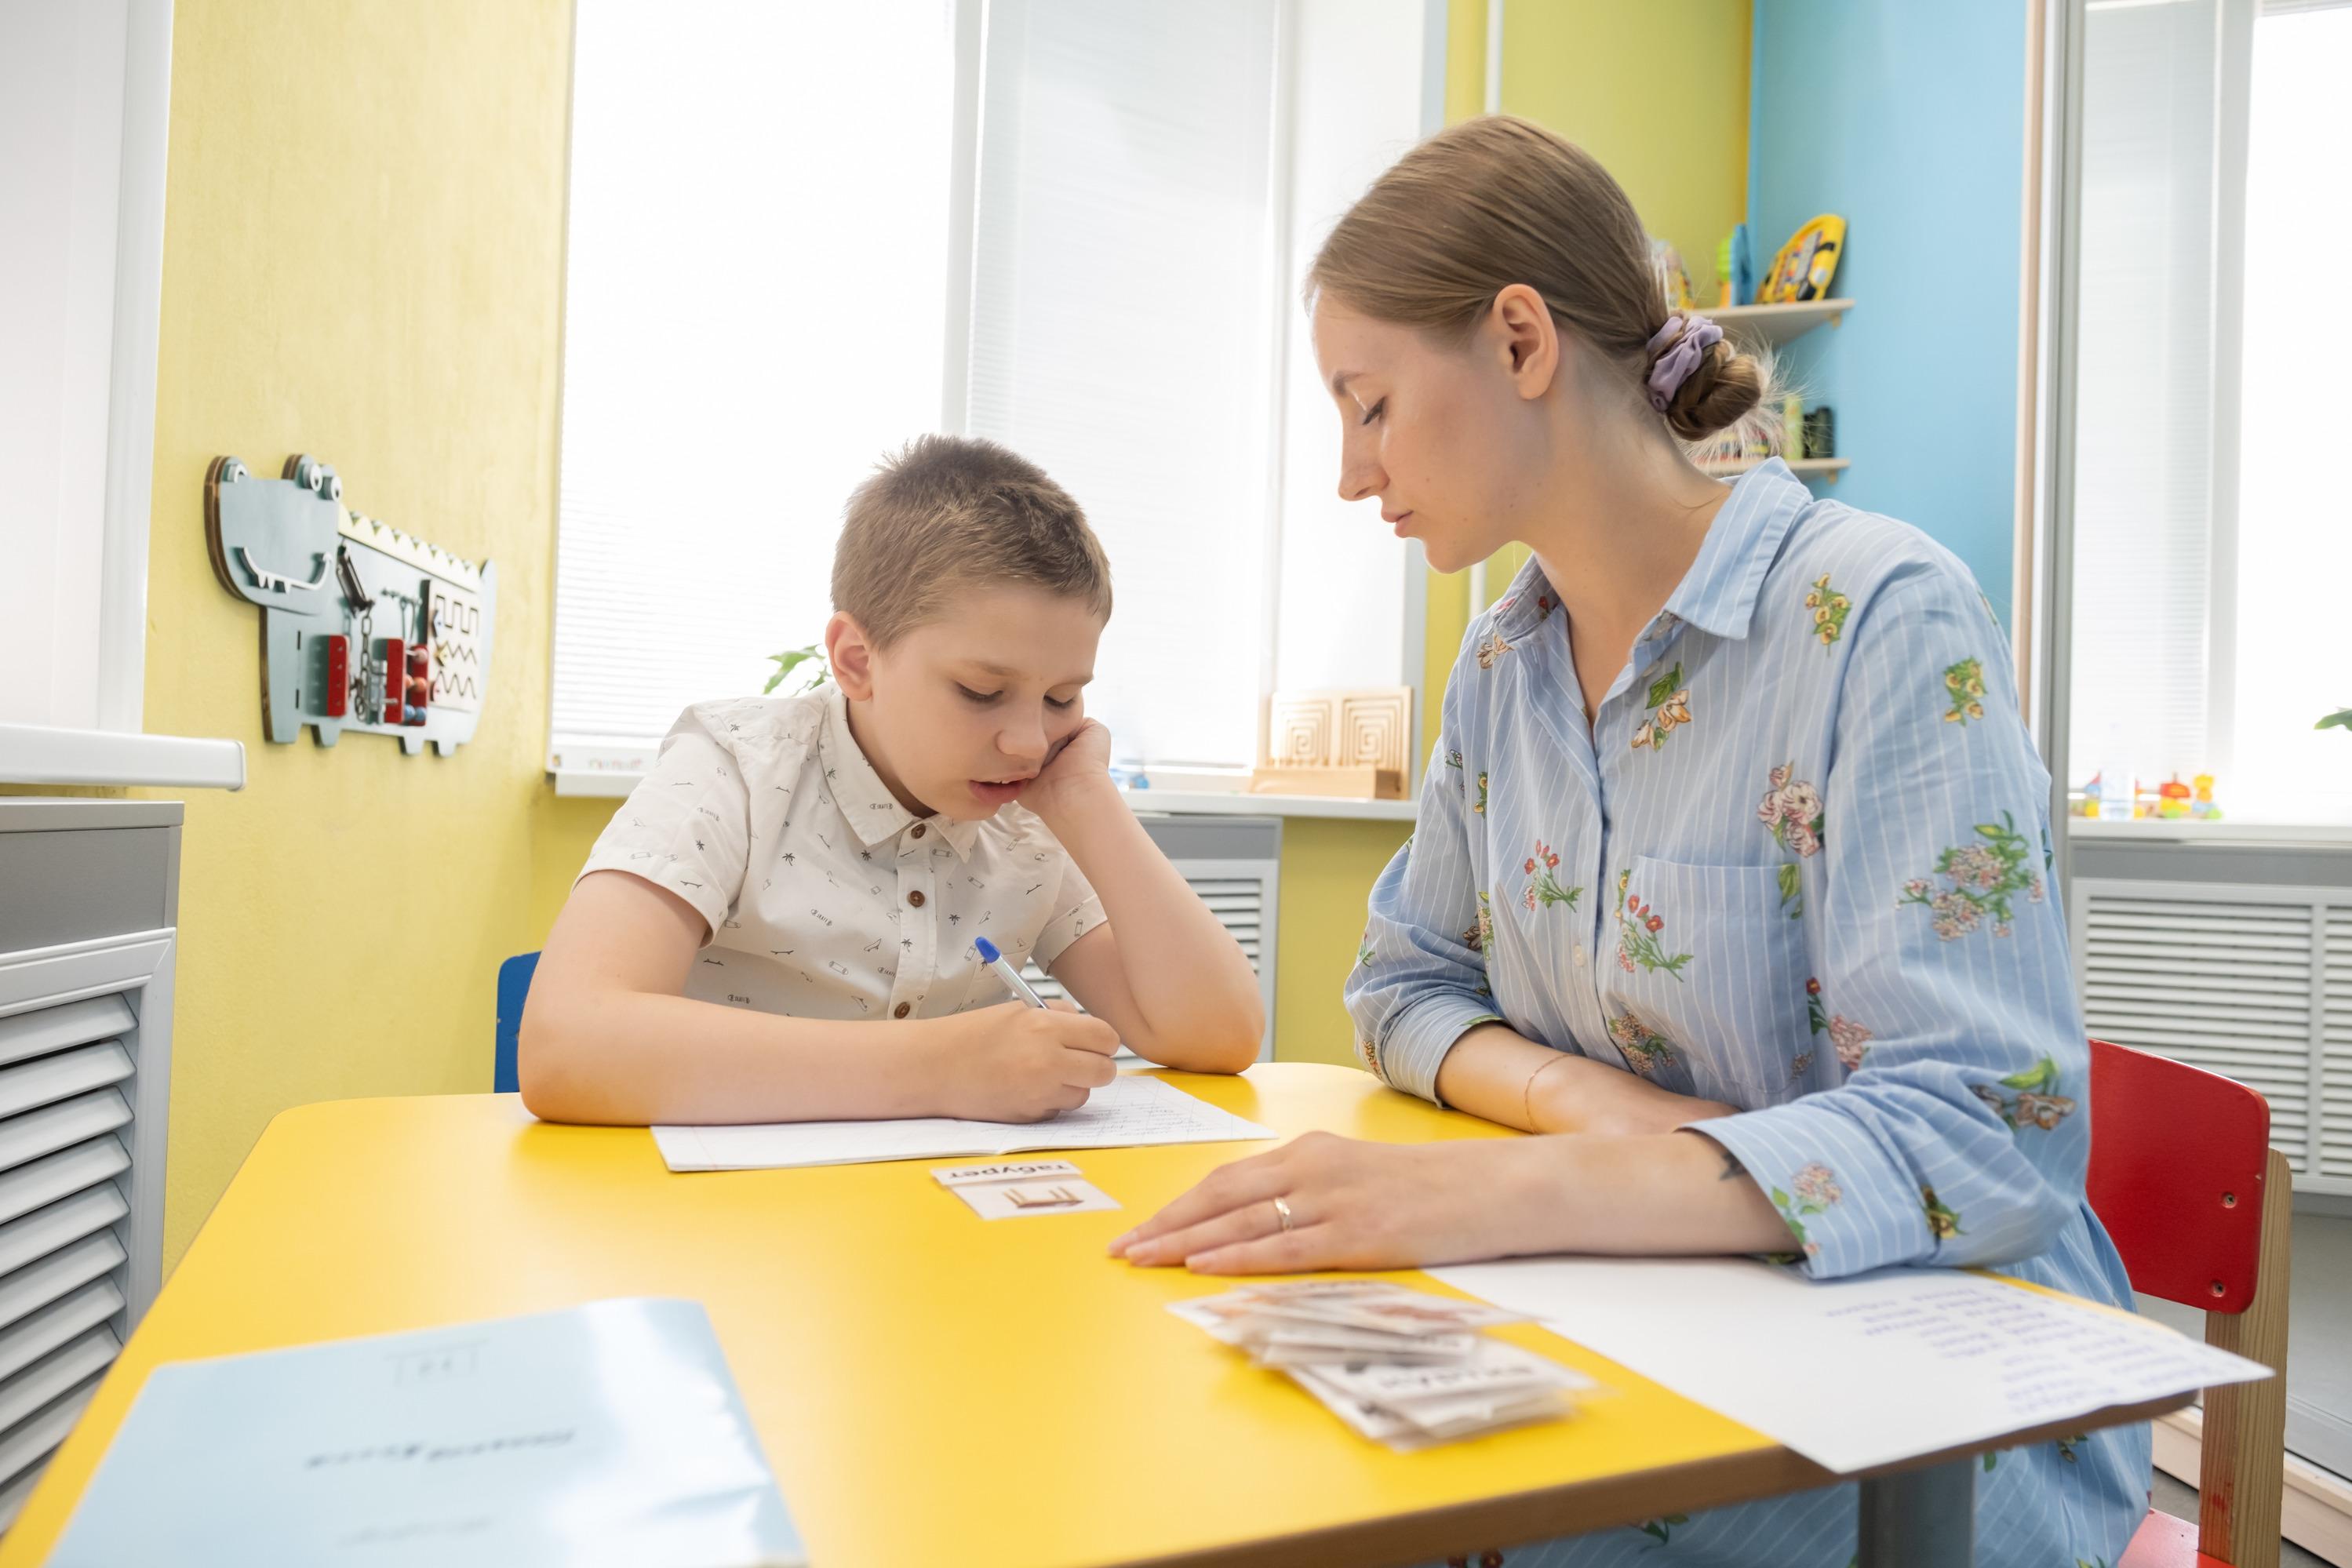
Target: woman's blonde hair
[{"x": 1496, "y": 201}]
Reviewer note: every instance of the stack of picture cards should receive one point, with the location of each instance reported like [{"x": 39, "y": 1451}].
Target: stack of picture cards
[{"x": 1406, "y": 1367}]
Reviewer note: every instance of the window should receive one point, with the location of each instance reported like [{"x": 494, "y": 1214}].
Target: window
[
  {"x": 2211, "y": 543},
  {"x": 83, "y": 96},
  {"x": 1125, "y": 205},
  {"x": 1071, "y": 225},
  {"x": 753, "y": 309}
]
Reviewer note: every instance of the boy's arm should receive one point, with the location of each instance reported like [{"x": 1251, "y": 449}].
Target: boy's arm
[
  {"x": 607, "y": 1037},
  {"x": 1163, "y": 971}
]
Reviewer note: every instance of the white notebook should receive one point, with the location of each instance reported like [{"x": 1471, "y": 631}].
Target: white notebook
[
  {"x": 604, "y": 1435},
  {"x": 1129, "y": 1112}
]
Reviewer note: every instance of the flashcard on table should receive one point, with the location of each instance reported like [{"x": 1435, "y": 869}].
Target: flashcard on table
[{"x": 1023, "y": 1188}]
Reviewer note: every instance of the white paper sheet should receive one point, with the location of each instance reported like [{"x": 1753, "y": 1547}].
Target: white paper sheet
[
  {"x": 1861, "y": 1371},
  {"x": 1129, "y": 1112}
]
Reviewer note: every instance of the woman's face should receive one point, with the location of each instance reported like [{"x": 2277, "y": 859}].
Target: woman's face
[{"x": 1450, "y": 437}]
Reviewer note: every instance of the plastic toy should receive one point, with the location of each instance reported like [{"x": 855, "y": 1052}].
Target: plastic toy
[{"x": 1806, "y": 263}]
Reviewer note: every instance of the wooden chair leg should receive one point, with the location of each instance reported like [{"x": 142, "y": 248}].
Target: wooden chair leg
[{"x": 2241, "y": 1469}]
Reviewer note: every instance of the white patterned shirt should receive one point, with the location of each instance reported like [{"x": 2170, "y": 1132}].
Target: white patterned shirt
[{"x": 825, "y": 896}]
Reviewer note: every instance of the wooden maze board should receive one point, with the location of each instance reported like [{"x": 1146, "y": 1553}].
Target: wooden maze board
[{"x": 362, "y": 627}]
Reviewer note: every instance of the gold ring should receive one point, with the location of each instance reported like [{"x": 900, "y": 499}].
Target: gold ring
[{"x": 1282, "y": 1211}]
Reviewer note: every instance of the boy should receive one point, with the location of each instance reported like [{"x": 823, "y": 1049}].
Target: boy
[{"x": 778, "y": 925}]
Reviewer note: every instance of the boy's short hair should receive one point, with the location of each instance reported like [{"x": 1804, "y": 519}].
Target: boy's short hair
[{"x": 951, "y": 513}]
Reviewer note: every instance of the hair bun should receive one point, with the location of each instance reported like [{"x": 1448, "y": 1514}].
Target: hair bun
[{"x": 1722, "y": 388}]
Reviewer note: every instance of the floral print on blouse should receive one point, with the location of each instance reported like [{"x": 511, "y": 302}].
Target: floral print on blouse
[{"x": 1819, "y": 831}]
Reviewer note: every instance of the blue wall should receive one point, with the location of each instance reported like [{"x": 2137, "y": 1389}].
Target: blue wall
[{"x": 1905, "y": 117}]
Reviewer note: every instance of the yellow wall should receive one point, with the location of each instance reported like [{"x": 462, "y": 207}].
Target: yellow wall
[{"x": 361, "y": 259}]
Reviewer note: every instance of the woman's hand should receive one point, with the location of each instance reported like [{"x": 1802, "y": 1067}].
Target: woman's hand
[{"x": 1353, "y": 1204}]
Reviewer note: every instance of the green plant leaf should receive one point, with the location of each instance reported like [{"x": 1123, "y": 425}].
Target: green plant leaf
[
  {"x": 2341, "y": 719},
  {"x": 792, "y": 659},
  {"x": 1666, "y": 686}
]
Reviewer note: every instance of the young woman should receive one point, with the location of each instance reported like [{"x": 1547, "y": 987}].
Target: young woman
[{"x": 1731, "y": 870}]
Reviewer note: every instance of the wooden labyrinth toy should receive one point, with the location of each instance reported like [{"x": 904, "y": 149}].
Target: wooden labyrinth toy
[{"x": 362, "y": 627}]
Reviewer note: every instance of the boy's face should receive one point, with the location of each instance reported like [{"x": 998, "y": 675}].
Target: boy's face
[{"x": 964, "y": 710}]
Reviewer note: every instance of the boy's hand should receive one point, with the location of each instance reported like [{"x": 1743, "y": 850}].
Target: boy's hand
[
  {"x": 1014, "y": 1062},
  {"x": 1082, "y": 761}
]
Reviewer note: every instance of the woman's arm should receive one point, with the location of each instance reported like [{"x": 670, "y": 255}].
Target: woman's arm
[
  {"x": 607, "y": 1037},
  {"x": 1418, "y": 987},
  {"x": 1169, "y": 978},
  {"x": 1945, "y": 978},
  {"x": 1498, "y": 1073},
  {"x": 1356, "y": 1205}
]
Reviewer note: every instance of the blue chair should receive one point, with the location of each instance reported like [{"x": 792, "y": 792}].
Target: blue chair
[{"x": 514, "y": 984}]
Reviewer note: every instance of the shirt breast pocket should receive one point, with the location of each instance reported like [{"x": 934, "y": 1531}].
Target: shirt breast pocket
[{"x": 1710, "y": 970}]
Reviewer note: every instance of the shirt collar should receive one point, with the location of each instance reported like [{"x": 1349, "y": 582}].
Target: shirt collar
[
  {"x": 1718, "y": 592},
  {"x": 874, "y": 814}
]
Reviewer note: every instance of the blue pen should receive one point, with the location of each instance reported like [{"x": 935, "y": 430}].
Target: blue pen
[{"x": 1006, "y": 972}]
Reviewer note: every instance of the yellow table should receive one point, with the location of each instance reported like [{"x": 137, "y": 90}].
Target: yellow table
[{"x": 930, "y": 1389}]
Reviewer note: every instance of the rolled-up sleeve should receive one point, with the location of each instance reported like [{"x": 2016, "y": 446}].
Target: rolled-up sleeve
[
  {"x": 1420, "y": 980},
  {"x": 686, "y": 827},
  {"x": 1959, "y": 1134}
]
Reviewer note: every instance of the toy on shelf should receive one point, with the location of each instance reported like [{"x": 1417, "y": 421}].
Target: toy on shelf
[
  {"x": 1806, "y": 263},
  {"x": 1820, "y": 432},
  {"x": 1674, "y": 282},
  {"x": 1352, "y": 743},
  {"x": 2201, "y": 806},
  {"x": 2171, "y": 801},
  {"x": 362, "y": 627},
  {"x": 1735, "y": 269}
]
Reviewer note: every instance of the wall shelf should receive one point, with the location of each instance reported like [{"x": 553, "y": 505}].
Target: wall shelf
[{"x": 1750, "y": 326}]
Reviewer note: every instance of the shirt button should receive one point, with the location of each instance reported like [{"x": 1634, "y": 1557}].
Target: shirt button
[
  {"x": 915, "y": 898},
  {"x": 918, "y": 829},
  {"x": 902, "y": 1009}
]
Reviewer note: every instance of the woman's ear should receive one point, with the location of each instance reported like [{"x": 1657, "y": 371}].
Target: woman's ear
[
  {"x": 850, "y": 654},
  {"x": 1525, "y": 339}
]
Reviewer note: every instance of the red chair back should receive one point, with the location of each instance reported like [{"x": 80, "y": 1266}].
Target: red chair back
[{"x": 2177, "y": 1165}]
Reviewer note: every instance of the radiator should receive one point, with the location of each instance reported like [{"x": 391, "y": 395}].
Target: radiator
[{"x": 2251, "y": 981}]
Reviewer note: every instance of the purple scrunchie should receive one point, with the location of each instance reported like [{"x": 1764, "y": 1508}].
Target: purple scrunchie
[{"x": 1691, "y": 337}]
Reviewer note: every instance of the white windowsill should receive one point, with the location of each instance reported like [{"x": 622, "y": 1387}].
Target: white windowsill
[
  {"x": 2157, "y": 831},
  {"x": 36, "y": 754},
  {"x": 1235, "y": 803},
  {"x": 609, "y": 784},
  {"x": 613, "y": 783}
]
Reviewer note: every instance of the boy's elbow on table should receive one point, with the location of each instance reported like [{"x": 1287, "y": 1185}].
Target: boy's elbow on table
[{"x": 554, "y": 1086}]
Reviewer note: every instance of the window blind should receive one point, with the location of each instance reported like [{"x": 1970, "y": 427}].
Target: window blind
[
  {"x": 753, "y": 316},
  {"x": 2145, "y": 435},
  {"x": 1124, "y": 281}
]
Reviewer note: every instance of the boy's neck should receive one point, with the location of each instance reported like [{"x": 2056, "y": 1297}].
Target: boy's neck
[{"x": 861, "y": 735}]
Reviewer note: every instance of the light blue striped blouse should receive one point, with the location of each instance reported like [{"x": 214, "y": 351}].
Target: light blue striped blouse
[{"x": 1800, "y": 864}]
